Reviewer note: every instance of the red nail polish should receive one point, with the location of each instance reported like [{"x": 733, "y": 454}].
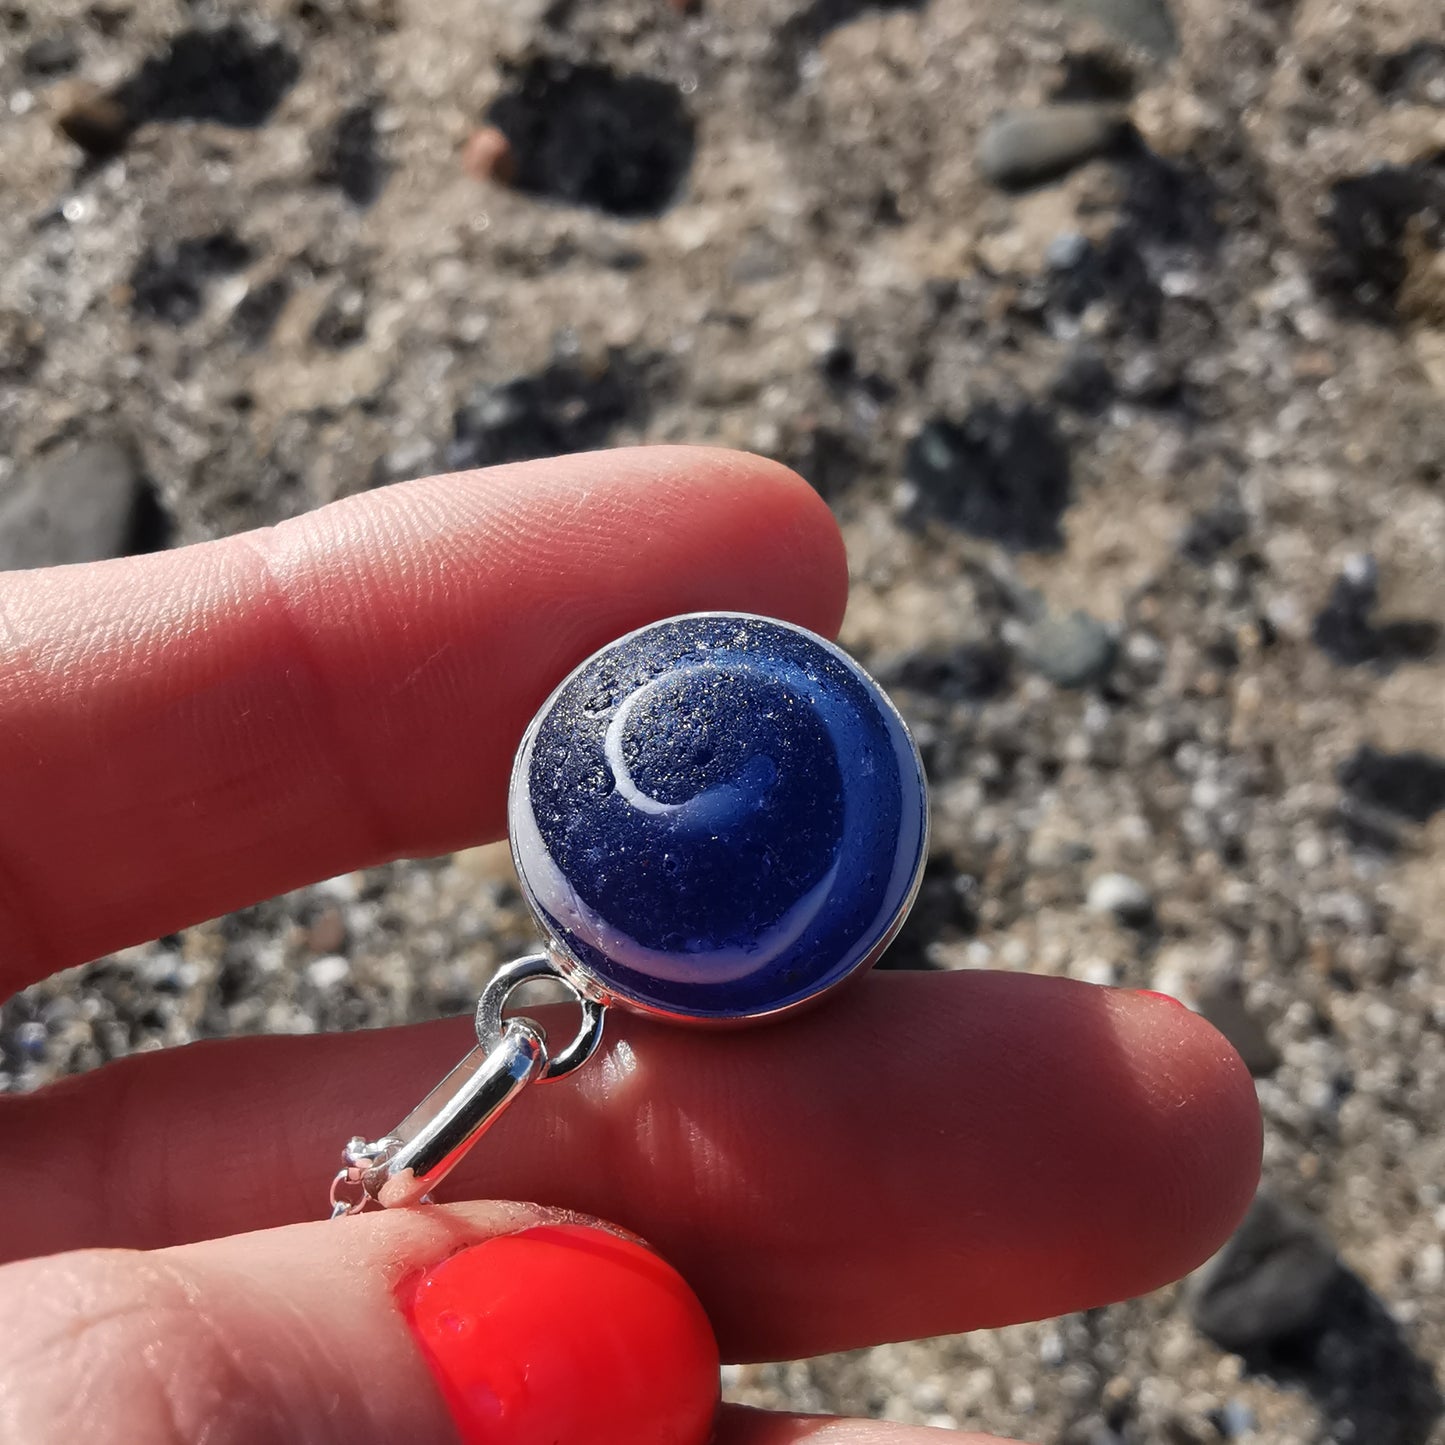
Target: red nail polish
[
  {"x": 1167, "y": 997},
  {"x": 563, "y": 1334}
]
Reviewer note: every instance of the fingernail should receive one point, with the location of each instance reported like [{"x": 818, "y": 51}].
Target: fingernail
[
  {"x": 566, "y": 1333},
  {"x": 1166, "y": 997}
]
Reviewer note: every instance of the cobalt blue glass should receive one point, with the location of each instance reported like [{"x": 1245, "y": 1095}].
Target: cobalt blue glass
[{"x": 718, "y": 817}]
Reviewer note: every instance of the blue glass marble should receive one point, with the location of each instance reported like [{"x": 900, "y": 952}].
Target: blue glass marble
[{"x": 718, "y": 817}]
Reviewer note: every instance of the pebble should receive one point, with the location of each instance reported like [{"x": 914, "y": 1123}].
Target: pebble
[
  {"x": 1121, "y": 896},
  {"x": 1212, "y": 532},
  {"x": 488, "y": 156},
  {"x": 1370, "y": 220},
  {"x": 350, "y": 157},
  {"x": 328, "y": 972},
  {"x": 1066, "y": 251},
  {"x": 1084, "y": 382},
  {"x": 1020, "y": 147},
  {"x": 1073, "y": 651},
  {"x": 1003, "y": 474},
  {"x": 79, "y": 505},
  {"x": 1236, "y": 1419},
  {"x": 1271, "y": 1281},
  {"x": 327, "y": 932},
  {"x": 233, "y": 74},
  {"x": 587, "y": 135},
  {"x": 50, "y": 55}
]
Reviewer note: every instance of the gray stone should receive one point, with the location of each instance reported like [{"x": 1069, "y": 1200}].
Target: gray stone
[
  {"x": 1019, "y": 147},
  {"x": 78, "y": 505},
  {"x": 1123, "y": 897},
  {"x": 1072, "y": 651},
  {"x": 1145, "y": 23},
  {"x": 1066, "y": 250},
  {"x": 1236, "y": 1419},
  {"x": 1271, "y": 1282}
]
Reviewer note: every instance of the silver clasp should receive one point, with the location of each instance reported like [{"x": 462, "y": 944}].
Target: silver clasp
[{"x": 410, "y": 1161}]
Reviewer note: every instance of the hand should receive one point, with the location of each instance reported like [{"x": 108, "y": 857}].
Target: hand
[{"x": 184, "y": 733}]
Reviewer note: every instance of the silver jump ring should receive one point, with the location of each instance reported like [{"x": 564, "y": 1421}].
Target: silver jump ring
[{"x": 491, "y": 1025}]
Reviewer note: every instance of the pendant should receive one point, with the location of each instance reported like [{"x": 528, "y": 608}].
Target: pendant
[{"x": 716, "y": 820}]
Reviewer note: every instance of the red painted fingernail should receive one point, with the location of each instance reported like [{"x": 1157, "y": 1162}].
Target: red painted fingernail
[
  {"x": 566, "y": 1334},
  {"x": 1167, "y": 997}
]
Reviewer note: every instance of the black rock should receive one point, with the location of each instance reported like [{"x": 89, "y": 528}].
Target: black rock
[
  {"x": 1409, "y": 784},
  {"x": 170, "y": 280},
  {"x": 342, "y": 322},
  {"x": 1367, "y": 830},
  {"x": 944, "y": 908},
  {"x": 1084, "y": 382},
  {"x": 1344, "y": 629},
  {"x": 827, "y": 458},
  {"x": 970, "y": 672},
  {"x": 79, "y": 505},
  {"x": 1414, "y": 75},
  {"x": 258, "y": 310},
  {"x": 50, "y": 55},
  {"x": 99, "y": 124},
  {"x": 1094, "y": 75},
  {"x": 1214, "y": 531},
  {"x": 1277, "y": 1295},
  {"x": 562, "y": 409},
  {"x": 1002, "y": 474},
  {"x": 1270, "y": 1283},
  {"x": 585, "y": 135},
  {"x": 1112, "y": 271},
  {"x": 1170, "y": 203},
  {"x": 1367, "y": 221},
  {"x": 22, "y": 339},
  {"x": 223, "y": 75},
  {"x": 349, "y": 156}
]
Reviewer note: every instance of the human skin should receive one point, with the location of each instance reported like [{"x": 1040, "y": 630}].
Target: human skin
[{"x": 185, "y": 733}]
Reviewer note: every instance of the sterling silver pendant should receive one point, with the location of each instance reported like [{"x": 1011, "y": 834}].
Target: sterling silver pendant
[{"x": 716, "y": 820}]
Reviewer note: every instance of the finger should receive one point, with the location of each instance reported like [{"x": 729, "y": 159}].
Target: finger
[
  {"x": 490, "y": 1325},
  {"x": 926, "y": 1154},
  {"x": 191, "y": 731},
  {"x": 739, "y": 1426}
]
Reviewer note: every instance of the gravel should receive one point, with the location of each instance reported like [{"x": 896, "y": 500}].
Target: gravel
[{"x": 1182, "y": 389}]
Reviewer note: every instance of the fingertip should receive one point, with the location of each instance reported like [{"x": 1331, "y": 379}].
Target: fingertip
[
  {"x": 1199, "y": 1099},
  {"x": 795, "y": 543}
]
